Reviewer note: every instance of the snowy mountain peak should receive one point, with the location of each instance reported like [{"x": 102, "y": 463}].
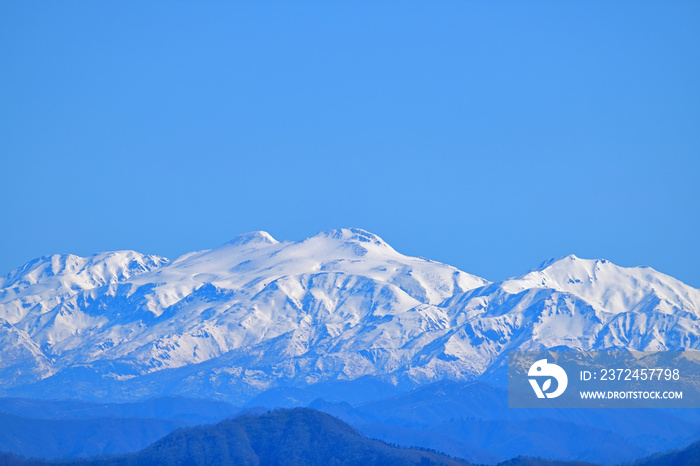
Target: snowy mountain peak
[
  {"x": 253, "y": 237},
  {"x": 608, "y": 287},
  {"x": 544, "y": 265},
  {"x": 354, "y": 235},
  {"x": 86, "y": 272},
  {"x": 355, "y": 240}
]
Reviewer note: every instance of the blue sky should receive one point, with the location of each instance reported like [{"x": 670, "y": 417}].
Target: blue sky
[{"x": 487, "y": 135}]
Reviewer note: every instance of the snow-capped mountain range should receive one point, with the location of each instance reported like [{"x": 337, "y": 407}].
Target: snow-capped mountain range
[{"x": 256, "y": 313}]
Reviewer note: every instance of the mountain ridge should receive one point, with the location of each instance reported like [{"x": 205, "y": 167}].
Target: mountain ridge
[{"x": 259, "y": 313}]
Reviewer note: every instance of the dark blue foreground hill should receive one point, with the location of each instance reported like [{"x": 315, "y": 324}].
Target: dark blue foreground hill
[
  {"x": 294, "y": 437},
  {"x": 285, "y": 437}
]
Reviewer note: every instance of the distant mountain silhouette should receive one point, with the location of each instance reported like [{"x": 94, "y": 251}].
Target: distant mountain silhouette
[
  {"x": 64, "y": 438},
  {"x": 70, "y": 428}
]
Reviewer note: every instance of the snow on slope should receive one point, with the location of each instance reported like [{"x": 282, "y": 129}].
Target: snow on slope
[
  {"x": 639, "y": 307},
  {"x": 338, "y": 306},
  {"x": 42, "y": 283},
  {"x": 21, "y": 359},
  {"x": 578, "y": 304}
]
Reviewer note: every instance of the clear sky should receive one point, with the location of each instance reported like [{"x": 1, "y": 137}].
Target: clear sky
[{"x": 487, "y": 135}]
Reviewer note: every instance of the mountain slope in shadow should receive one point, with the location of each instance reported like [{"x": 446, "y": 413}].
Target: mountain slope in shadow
[{"x": 689, "y": 456}]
